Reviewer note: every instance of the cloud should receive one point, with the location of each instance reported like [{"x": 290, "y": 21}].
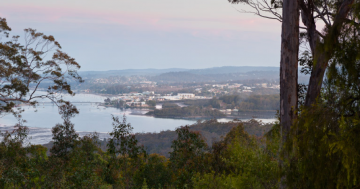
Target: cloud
[{"x": 64, "y": 17}]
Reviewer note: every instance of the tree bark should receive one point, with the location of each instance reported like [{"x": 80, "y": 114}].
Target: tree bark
[
  {"x": 288, "y": 70},
  {"x": 289, "y": 65},
  {"x": 316, "y": 79}
]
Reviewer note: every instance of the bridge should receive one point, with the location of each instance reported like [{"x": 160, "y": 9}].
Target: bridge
[{"x": 72, "y": 102}]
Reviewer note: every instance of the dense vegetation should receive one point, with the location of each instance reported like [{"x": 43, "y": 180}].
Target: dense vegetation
[
  {"x": 210, "y": 130},
  {"x": 252, "y": 102},
  {"x": 261, "y": 102},
  {"x": 241, "y": 102},
  {"x": 188, "y": 112},
  {"x": 170, "y": 105},
  {"x": 76, "y": 162}
]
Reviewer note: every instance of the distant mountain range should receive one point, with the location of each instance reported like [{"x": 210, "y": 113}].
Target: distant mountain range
[
  {"x": 154, "y": 72},
  {"x": 233, "y": 69},
  {"x": 215, "y": 74},
  {"x": 186, "y": 77},
  {"x": 129, "y": 72}
]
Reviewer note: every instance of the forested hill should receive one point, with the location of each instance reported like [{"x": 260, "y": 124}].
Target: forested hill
[
  {"x": 186, "y": 77},
  {"x": 211, "y": 131},
  {"x": 179, "y": 75},
  {"x": 214, "y": 70},
  {"x": 233, "y": 69},
  {"x": 153, "y": 72},
  {"x": 128, "y": 72}
]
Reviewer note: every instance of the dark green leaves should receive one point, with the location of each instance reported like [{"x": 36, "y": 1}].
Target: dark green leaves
[{"x": 36, "y": 63}]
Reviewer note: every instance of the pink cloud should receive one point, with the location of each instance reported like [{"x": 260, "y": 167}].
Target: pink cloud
[{"x": 196, "y": 26}]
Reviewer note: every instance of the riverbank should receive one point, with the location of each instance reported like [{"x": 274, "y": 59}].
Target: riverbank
[
  {"x": 39, "y": 135},
  {"x": 241, "y": 115}
]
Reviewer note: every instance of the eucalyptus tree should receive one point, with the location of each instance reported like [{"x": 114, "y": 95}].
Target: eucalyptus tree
[
  {"x": 25, "y": 67},
  {"x": 289, "y": 55},
  {"x": 334, "y": 16},
  {"x": 124, "y": 154},
  {"x": 325, "y": 144},
  {"x": 335, "y": 45},
  {"x": 188, "y": 156},
  {"x": 27, "y": 64}
]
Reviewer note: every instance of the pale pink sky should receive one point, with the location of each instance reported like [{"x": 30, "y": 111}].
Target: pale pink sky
[{"x": 123, "y": 34}]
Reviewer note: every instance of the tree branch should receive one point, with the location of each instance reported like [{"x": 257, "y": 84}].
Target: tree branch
[
  {"x": 321, "y": 15},
  {"x": 259, "y": 7}
]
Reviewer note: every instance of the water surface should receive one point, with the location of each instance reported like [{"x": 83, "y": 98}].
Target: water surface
[{"x": 92, "y": 118}]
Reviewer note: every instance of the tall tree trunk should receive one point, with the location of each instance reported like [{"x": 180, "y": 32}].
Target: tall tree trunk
[
  {"x": 289, "y": 64},
  {"x": 316, "y": 79},
  {"x": 288, "y": 69}
]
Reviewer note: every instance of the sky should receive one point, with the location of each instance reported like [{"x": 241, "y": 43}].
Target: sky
[{"x": 139, "y": 34}]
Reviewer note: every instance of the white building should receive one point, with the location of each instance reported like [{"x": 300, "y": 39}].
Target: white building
[
  {"x": 247, "y": 88},
  {"x": 186, "y": 95},
  {"x": 148, "y": 93},
  {"x": 170, "y": 97}
]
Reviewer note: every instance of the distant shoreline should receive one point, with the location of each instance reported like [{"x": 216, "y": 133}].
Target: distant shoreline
[{"x": 206, "y": 118}]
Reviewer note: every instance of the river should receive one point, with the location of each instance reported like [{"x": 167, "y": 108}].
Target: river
[{"x": 92, "y": 118}]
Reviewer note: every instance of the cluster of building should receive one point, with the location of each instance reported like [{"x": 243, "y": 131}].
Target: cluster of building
[
  {"x": 225, "y": 88},
  {"x": 141, "y": 80},
  {"x": 181, "y": 96},
  {"x": 140, "y": 99},
  {"x": 235, "y": 87}
]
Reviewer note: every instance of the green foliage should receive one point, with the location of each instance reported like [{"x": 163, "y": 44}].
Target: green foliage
[
  {"x": 122, "y": 141},
  {"x": 124, "y": 153},
  {"x": 187, "y": 157},
  {"x": 211, "y": 130},
  {"x": 324, "y": 146},
  {"x": 229, "y": 99},
  {"x": 170, "y": 105},
  {"x": 240, "y": 161},
  {"x": 154, "y": 172},
  {"x": 144, "y": 186},
  {"x": 324, "y": 150},
  {"x": 151, "y": 103},
  {"x": 82, "y": 163},
  {"x": 249, "y": 103},
  {"x": 215, "y": 103},
  {"x": 64, "y": 135},
  {"x": 24, "y": 68},
  {"x": 261, "y": 102},
  {"x": 20, "y": 164},
  {"x": 306, "y": 61},
  {"x": 86, "y": 164}
]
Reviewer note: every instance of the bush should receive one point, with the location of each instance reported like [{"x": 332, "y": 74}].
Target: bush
[{"x": 241, "y": 162}]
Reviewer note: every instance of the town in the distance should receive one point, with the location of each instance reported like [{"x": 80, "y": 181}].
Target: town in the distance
[{"x": 234, "y": 92}]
